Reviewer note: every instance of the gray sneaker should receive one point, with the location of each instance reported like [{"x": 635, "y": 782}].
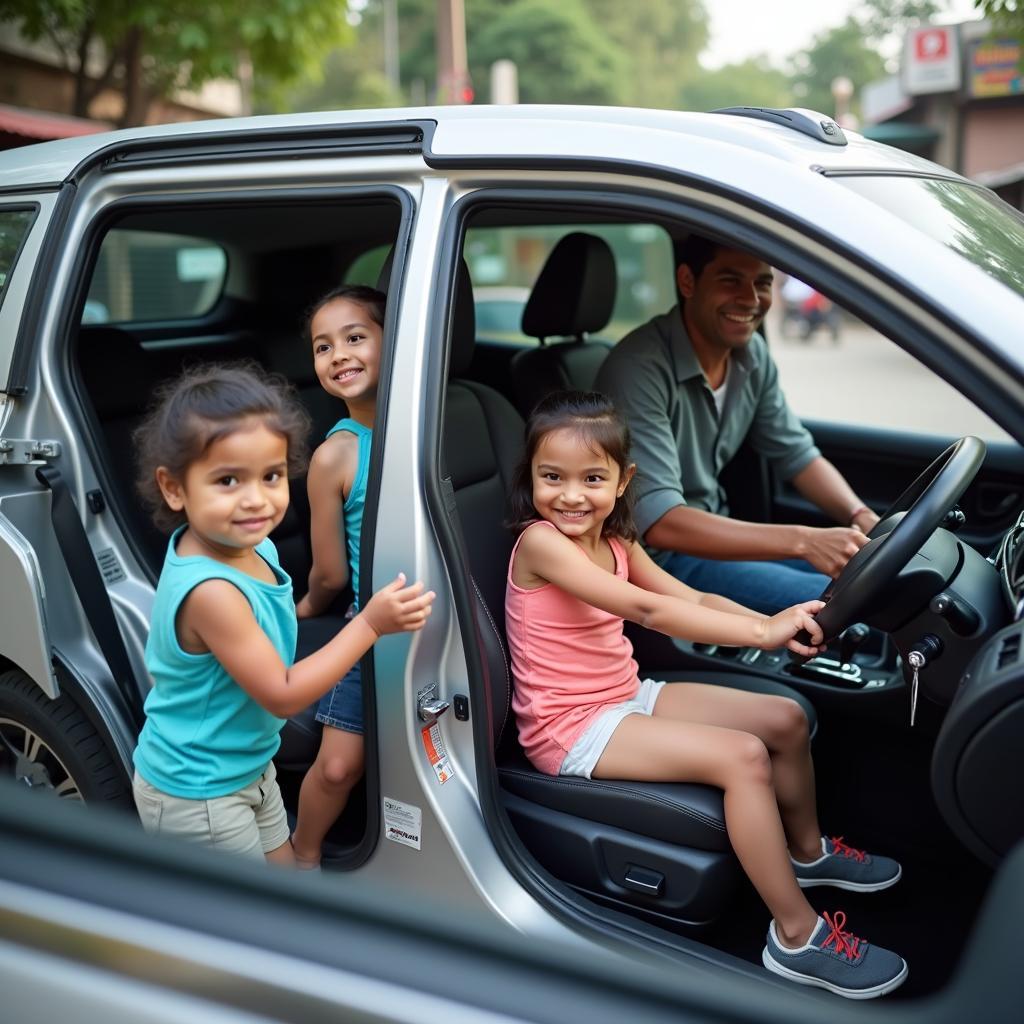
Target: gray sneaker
[
  {"x": 836, "y": 960},
  {"x": 846, "y": 868}
]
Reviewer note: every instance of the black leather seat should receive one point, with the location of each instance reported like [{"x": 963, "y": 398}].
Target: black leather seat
[
  {"x": 655, "y": 848},
  {"x": 572, "y": 298}
]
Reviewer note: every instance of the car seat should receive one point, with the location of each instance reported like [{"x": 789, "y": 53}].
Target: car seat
[
  {"x": 656, "y": 849},
  {"x": 572, "y": 298}
]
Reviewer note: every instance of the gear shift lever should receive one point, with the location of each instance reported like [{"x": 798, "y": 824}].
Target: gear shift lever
[{"x": 850, "y": 639}]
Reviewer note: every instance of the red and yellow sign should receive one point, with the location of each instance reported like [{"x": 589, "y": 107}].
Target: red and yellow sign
[{"x": 994, "y": 68}]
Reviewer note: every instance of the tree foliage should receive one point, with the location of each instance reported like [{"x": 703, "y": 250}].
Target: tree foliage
[
  {"x": 148, "y": 48},
  {"x": 753, "y": 82},
  {"x": 844, "y": 51},
  {"x": 1006, "y": 15}
]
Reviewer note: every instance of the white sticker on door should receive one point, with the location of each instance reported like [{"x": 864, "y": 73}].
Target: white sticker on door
[{"x": 402, "y": 822}]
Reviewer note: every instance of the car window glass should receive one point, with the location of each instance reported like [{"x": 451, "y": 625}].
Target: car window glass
[
  {"x": 970, "y": 221},
  {"x": 366, "y": 268},
  {"x": 14, "y": 225},
  {"x": 834, "y": 368},
  {"x": 150, "y": 275},
  {"x": 504, "y": 264}
]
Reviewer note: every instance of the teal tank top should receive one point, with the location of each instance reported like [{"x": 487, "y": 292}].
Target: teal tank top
[
  {"x": 204, "y": 736},
  {"x": 352, "y": 511}
]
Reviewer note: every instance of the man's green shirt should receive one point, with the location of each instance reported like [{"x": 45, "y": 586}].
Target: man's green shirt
[{"x": 680, "y": 443}]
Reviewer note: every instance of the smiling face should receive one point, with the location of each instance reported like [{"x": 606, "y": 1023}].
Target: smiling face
[
  {"x": 236, "y": 492},
  {"x": 728, "y": 301},
  {"x": 346, "y": 351},
  {"x": 574, "y": 486}
]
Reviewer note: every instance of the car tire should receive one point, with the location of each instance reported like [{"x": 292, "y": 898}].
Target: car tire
[{"x": 51, "y": 744}]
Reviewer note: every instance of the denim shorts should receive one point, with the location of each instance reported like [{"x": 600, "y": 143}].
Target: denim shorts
[
  {"x": 342, "y": 707},
  {"x": 587, "y": 750}
]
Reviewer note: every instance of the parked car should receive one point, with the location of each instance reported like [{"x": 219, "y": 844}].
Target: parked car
[{"x": 208, "y": 241}]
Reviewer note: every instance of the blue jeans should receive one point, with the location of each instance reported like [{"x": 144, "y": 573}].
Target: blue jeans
[{"x": 767, "y": 587}]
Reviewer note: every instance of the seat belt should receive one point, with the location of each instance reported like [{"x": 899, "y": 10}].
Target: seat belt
[{"x": 89, "y": 586}]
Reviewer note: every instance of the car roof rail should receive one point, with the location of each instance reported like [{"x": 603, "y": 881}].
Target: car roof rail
[{"x": 808, "y": 122}]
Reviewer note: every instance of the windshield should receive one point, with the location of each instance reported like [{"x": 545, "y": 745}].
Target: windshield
[{"x": 971, "y": 221}]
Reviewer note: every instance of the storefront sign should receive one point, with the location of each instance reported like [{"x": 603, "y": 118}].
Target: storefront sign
[
  {"x": 994, "y": 68},
  {"x": 931, "y": 60}
]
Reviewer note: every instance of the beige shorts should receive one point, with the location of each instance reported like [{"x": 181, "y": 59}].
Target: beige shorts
[{"x": 251, "y": 821}]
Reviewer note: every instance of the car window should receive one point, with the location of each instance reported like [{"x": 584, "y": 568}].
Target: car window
[
  {"x": 151, "y": 275},
  {"x": 504, "y": 263},
  {"x": 969, "y": 220},
  {"x": 14, "y": 225},
  {"x": 834, "y": 368},
  {"x": 366, "y": 268}
]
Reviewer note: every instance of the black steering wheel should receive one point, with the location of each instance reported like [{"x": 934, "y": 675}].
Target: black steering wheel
[{"x": 899, "y": 535}]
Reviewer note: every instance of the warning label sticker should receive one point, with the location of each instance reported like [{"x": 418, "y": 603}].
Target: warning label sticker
[
  {"x": 433, "y": 744},
  {"x": 402, "y": 822}
]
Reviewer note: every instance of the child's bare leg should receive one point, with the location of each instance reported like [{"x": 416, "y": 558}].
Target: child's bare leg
[
  {"x": 660, "y": 749},
  {"x": 781, "y": 725},
  {"x": 282, "y": 855},
  {"x": 325, "y": 791}
]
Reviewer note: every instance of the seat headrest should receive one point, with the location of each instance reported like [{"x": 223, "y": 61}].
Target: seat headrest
[
  {"x": 463, "y": 322},
  {"x": 119, "y": 375},
  {"x": 574, "y": 293}
]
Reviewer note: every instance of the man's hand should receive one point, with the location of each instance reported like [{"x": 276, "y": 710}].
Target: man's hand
[
  {"x": 865, "y": 521},
  {"x": 828, "y": 550}
]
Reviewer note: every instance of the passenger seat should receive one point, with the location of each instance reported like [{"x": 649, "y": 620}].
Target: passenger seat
[
  {"x": 572, "y": 298},
  {"x": 659, "y": 849}
]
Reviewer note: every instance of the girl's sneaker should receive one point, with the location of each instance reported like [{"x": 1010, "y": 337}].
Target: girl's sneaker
[
  {"x": 836, "y": 960},
  {"x": 844, "y": 867}
]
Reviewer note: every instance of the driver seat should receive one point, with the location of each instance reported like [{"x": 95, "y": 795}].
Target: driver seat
[{"x": 658, "y": 850}]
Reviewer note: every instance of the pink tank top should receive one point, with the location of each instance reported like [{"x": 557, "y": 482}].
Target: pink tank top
[{"x": 570, "y": 661}]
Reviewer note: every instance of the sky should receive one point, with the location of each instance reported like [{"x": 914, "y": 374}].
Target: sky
[{"x": 744, "y": 28}]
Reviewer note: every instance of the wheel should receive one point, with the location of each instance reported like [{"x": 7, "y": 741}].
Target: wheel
[
  {"x": 899, "y": 535},
  {"x": 50, "y": 744}
]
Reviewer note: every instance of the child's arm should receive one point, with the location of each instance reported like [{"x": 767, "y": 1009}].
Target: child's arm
[
  {"x": 330, "y": 470},
  {"x": 217, "y": 613},
  {"x": 647, "y": 574},
  {"x": 548, "y": 555}
]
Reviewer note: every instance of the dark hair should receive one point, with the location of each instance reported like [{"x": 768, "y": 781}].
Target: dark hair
[
  {"x": 372, "y": 300},
  {"x": 203, "y": 405},
  {"x": 697, "y": 252},
  {"x": 595, "y": 420}
]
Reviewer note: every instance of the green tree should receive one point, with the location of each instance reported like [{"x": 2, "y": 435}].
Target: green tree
[
  {"x": 661, "y": 40},
  {"x": 561, "y": 54},
  {"x": 843, "y": 51},
  {"x": 1006, "y": 15},
  {"x": 753, "y": 82},
  {"x": 150, "y": 48}
]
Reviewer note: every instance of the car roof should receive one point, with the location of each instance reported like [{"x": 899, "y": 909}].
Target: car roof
[{"x": 487, "y": 132}]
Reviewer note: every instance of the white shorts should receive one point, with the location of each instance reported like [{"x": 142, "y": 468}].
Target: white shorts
[{"x": 587, "y": 750}]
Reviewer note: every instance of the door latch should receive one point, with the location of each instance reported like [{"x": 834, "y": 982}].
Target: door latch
[
  {"x": 23, "y": 451},
  {"x": 429, "y": 707}
]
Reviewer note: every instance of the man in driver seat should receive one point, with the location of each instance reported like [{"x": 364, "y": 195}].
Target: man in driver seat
[{"x": 694, "y": 384}]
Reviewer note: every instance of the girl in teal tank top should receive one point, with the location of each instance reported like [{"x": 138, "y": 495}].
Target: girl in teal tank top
[
  {"x": 215, "y": 457},
  {"x": 346, "y": 330}
]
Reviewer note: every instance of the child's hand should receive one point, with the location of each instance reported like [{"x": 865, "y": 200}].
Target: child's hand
[
  {"x": 304, "y": 609},
  {"x": 782, "y": 628},
  {"x": 396, "y": 607}
]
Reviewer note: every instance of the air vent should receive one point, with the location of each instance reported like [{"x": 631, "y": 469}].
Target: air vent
[{"x": 1009, "y": 651}]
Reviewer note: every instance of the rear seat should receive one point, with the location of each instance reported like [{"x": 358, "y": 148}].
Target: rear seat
[
  {"x": 120, "y": 377},
  {"x": 572, "y": 298}
]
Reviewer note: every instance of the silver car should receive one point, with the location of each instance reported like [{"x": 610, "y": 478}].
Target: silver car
[{"x": 124, "y": 257}]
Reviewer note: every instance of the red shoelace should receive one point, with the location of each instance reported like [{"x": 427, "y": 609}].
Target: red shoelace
[
  {"x": 845, "y": 942},
  {"x": 841, "y": 849}
]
